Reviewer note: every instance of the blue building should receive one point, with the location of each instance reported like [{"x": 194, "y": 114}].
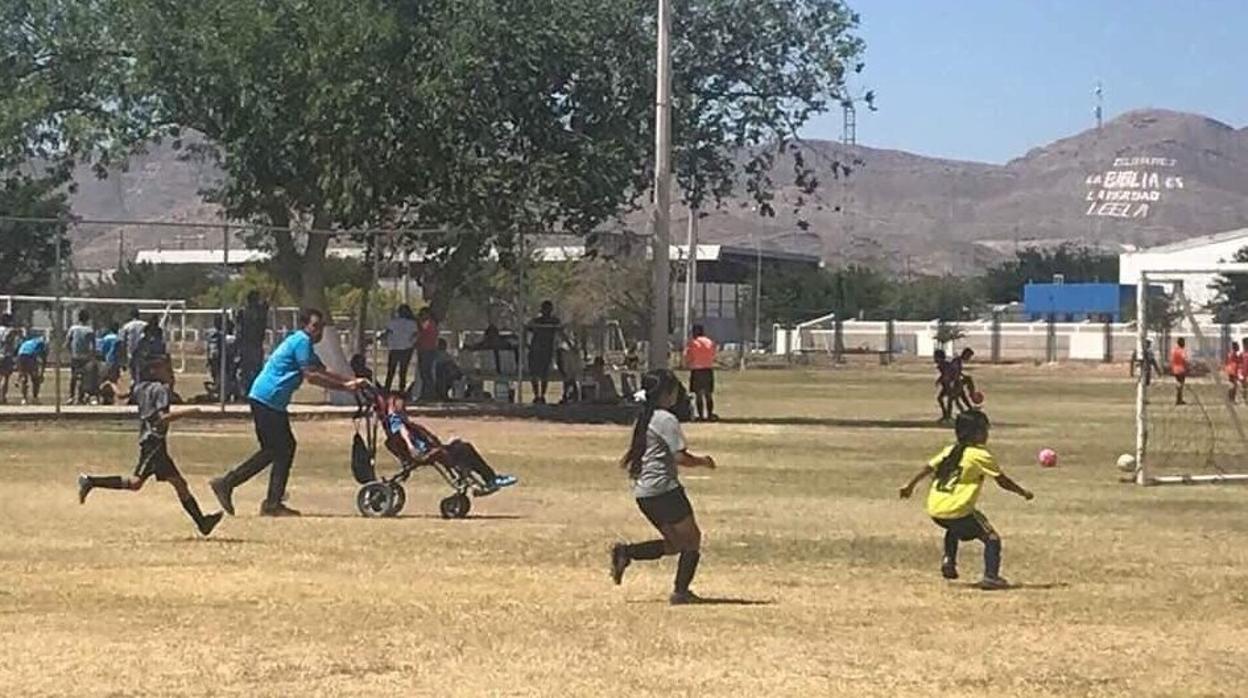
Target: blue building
[{"x": 1077, "y": 302}]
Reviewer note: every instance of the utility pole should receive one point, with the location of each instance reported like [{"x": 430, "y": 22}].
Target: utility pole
[{"x": 661, "y": 241}]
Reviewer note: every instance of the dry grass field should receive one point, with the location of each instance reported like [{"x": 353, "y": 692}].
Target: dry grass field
[{"x": 827, "y": 583}]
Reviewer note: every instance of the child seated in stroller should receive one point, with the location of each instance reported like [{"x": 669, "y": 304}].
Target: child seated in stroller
[{"x": 423, "y": 445}]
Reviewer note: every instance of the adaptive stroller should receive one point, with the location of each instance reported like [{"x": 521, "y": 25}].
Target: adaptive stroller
[{"x": 385, "y": 496}]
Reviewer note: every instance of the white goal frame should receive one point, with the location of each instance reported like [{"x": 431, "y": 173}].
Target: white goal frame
[{"x": 1172, "y": 276}]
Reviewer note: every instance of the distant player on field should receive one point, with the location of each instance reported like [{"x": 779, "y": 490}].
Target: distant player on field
[
  {"x": 944, "y": 395},
  {"x": 154, "y": 396},
  {"x": 700, "y": 360},
  {"x": 1232, "y": 368},
  {"x": 1243, "y": 368},
  {"x": 1178, "y": 368},
  {"x": 957, "y": 475}
]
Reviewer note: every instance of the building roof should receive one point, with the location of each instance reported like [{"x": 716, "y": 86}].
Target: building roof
[
  {"x": 1196, "y": 242},
  {"x": 548, "y": 253}
]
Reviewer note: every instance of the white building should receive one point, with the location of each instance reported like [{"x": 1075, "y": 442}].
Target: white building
[{"x": 1193, "y": 253}]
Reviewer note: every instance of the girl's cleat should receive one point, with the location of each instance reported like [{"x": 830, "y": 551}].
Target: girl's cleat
[
  {"x": 948, "y": 570},
  {"x": 993, "y": 584},
  {"x": 505, "y": 481},
  {"x": 619, "y": 562}
]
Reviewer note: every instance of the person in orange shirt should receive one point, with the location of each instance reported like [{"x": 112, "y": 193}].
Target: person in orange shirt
[
  {"x": 1234, "y": 359},
  {"x": 700, "y": 360},
  {"x": 1178, "y": 368}
]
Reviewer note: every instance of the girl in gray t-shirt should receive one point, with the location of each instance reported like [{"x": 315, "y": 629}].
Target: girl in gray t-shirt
[{"x": 657, "y": 448}]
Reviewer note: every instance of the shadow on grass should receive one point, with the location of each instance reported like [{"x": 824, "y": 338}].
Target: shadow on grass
[
  {"x": 713, "y": 601},
  {"x": 470, "y": 517},
  {"x": 217, "y": 540},
  {"x": 1020, "y": 586},
  {"x": 845, "y": 422}
]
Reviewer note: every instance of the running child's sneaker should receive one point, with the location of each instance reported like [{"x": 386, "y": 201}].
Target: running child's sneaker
[
  {"x": 993, "y": 584},
  {"x": 948, "y": 569},
  {"x": 505, "y": 481},
  {"x": 210, "y": 522},
  {"x": 84, "y": 488},
  {"x": 619, "y": 562}
]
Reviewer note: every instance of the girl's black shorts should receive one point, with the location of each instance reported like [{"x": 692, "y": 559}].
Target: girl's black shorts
[{"x": 667, "y": 508}]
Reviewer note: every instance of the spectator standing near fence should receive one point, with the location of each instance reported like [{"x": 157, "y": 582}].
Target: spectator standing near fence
[
  {"x": 426, "y": 351},
  {"x": 253, "y": 322},
  {"x": 10, "y": 337},
  {"x": 108, "y": 346},
  {"x": 80, "y": 343},
  {"x": 700, "y": 360},
  {"x": 543, "y": 332},
  {"x": 400, "y": 335},
  {"x": 131, "y": 335}
]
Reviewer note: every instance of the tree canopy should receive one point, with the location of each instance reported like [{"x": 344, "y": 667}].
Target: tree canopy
[
  {"x": 480, "y": 118},
  {"x": 1076, "y": 263}
]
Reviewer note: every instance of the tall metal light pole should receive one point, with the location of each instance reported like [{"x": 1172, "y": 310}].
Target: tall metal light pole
[{"x": 661, "y": 241}]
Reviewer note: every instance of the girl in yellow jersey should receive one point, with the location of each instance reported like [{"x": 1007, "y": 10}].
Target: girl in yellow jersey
[{"x": 958, "y": 474}]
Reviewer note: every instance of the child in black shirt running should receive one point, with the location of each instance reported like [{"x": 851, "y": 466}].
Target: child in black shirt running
[{"x": 153, "y": 394}]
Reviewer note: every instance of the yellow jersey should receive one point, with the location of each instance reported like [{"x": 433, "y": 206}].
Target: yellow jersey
[{"x": 955, "y": 496}]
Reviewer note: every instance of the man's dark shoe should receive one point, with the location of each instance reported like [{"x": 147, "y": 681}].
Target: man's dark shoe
[
  {"x": 278, "y": 510},
  {"x": 224, "y": 493},
  {"x": 684, "y": 598}
]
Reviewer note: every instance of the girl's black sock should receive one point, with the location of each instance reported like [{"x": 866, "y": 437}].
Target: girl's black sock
[
  {"x": 192, "y": 507},
  {"x": 109, "y": 482},
  {"x": 685, "y": 569},
  {"x": 992, "y": 558},
  {"x": 650, "y": 550},
  {"x": 951, "y": 548}
]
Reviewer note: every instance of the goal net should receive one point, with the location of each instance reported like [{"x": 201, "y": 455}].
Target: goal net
[{"x": 1193, "y": 433}]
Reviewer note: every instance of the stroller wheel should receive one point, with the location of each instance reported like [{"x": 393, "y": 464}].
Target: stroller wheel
[
  {"x": 375, "y": 499},
  {"x": 455, "y": 506},
  {"x": 400, "y": 498}
]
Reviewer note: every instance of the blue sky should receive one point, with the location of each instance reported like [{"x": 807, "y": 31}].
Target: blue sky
[{"x": 987, "y": 80}]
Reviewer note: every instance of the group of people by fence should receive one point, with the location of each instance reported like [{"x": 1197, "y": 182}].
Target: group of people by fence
[{"x": 97, "y": 355}]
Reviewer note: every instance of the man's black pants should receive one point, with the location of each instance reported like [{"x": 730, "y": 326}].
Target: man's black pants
[{"x": 277, "y": 447}]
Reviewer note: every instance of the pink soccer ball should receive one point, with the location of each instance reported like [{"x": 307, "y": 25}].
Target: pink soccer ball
[{"x": 1047, "y": 458}]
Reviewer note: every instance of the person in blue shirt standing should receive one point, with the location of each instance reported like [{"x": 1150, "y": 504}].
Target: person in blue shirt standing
[
  {"x": 108, "y": 346},
  {"x": 293, "y": 361},
  {"x": 32, "y": 360}
]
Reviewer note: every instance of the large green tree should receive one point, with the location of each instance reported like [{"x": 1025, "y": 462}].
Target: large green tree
[
  {"x": 1076, "y": 263},
  {"x": 485, "y": 119},
  {"x": 61, "y": 102}
]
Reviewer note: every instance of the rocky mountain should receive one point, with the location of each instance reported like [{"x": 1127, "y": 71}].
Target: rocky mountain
[{"x": 1144, "y": 178}]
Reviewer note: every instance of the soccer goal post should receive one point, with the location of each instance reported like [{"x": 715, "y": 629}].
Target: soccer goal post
[{"x": 1191, "y": 434}]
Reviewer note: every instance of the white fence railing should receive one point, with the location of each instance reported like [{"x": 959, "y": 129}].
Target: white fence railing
[{"x": 1005, "y": 341}]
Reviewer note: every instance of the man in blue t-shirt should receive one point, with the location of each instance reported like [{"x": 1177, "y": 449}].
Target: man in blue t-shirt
[{"x": 289, "y": 364}]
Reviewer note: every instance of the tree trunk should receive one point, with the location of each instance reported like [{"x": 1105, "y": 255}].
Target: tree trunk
[{"x": 313, "y": 296}]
